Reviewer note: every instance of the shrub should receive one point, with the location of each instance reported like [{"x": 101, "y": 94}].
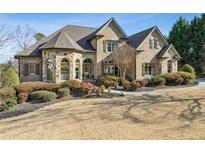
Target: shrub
[
  {"x": 87, "y": 88},
  {"x": 157, "y": 81},
  {"x": 102, "y": 88},
  {"x": 22, "y": 97},
  {"x": 187, "y": 68},
  {"x": 173, "y": 78},
  {"x": 147, "y": 81},
  {"x": 135, "y": 85},
  {"x": 109, "y": 79},
  {"x": 126, "y": 84},
  {"x": 187, "y": 77},
  {"x": 9, "y": 78},
  {"x": 8, "y": 104},
  {"x": 63, "y": 92},
  {"x": 29, "y": 87},
  {"x": 43, "y": 96},
  {"x": 73, "y": 85},
  {"x": 7, "y": 92}
]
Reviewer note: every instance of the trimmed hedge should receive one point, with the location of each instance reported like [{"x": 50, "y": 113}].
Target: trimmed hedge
[
  {"x": 187, "y": 68},
  {"x": 73, "y": 85},
  {"x": 29, "y": 87},
  {"x": 157, "y": 81},
  {"x": 63, "y": 92},
  {"x": 172, "y": 79},
  {"x": 43, "y": 96}
]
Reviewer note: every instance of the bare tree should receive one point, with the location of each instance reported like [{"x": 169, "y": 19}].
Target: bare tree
[
  {"x": 123, "y": 59},
  {"x": 5, "y": 36},
  {"x": 24, "y": 35}
]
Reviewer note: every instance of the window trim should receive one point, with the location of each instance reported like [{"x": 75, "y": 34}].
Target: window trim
[
  {"x": 112, "y": 45},
  {"x": 149, "y": 69}
]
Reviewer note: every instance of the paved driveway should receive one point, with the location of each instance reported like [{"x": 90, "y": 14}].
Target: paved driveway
[{"x": 174, "y": 114}]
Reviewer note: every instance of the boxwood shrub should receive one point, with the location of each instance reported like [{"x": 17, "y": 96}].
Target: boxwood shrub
[
  {"x": 42, "y": 96},
  {"x": 63, "y": 92},
  {"x": 157, "y": 81}
]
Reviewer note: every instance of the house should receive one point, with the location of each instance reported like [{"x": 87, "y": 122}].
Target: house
[{"x": 76, "y": 52}]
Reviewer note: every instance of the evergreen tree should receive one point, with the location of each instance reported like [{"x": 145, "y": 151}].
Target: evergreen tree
[
  {"x": 179, "y": 36},
  {"x": 197, "y": 54},
  {"x": 39, "y": 36}
]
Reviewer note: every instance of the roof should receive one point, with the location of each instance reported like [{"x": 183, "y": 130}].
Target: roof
[
  {"x": 75, "y": 36},
  {"x": 165, "y": 49},
  {"x": 136, "y": 39},
  {"x": 61, "y": 40}
]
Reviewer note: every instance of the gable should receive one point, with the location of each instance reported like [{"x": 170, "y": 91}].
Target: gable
[
  {"x": 112, "y": 24},
  {"x": 154, "y": 34}
]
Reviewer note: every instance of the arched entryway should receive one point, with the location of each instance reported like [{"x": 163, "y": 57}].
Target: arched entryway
[
  {"x": 65, "y": 69},
  {"x": 88, "y": 67},
  {"x": 169, "y": 66}
]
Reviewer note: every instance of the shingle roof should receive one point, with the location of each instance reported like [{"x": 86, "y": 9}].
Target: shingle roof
[
  {"x": 75, "y": 35},
  {"x": 163, "y": 51},
  {"x": 61, "y": 40},
  {"x": 136, "y": 39}
]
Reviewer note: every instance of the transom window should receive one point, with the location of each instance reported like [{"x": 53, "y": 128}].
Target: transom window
[
  {"x": 149, "y": 68},
  {"x": 111, "y": 45}
]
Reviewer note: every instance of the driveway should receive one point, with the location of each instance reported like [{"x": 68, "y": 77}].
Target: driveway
[{"x": 172, "y": 114}]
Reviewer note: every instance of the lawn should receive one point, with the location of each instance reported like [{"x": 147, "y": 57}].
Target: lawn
[{"x": 167, "y": 114}]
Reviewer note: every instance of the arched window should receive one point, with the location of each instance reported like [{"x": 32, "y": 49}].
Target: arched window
[
  {"x": 49, "y": 69},
  {"x": 88, "y": 69},
  {"x": 169, "y": 66},
  {"x": 65, "y": 69},
  {"x": 150, "y": 44},
  {"x": 77, "y": 69},
  {"x": 153, "y": 43}
]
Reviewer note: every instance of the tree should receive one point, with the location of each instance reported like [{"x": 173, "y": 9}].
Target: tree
[
  {"x": 38, "y": 36},
  {"x": 5, "y": 35},
  {"x": 179, "y": 36},
  {"x": 123, "y": 59},
  {"x": 197, "y": 28},
  {"x": 24, "y": 35}
]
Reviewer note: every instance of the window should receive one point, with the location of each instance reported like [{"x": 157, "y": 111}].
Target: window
[
  {"x": 149, "y": 69},
  {"x": 169, "y": 66},
  {"x": 110, "y": 68},
  {"x": 153, "y": 43},
  {"x": 77, "y": 69},
  {"x": 111, "y": 45},
  {"x": 49, "y": 69},
  {"x": 65, "y": 69},
  {"x": 32, "y": 69}
]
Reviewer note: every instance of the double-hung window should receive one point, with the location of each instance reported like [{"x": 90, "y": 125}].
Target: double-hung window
[
  {"x": 149, "y": 69},
  {"x": 111, "y": 45}
]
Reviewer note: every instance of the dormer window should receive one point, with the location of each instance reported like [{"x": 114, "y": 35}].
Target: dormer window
[{"x": 111, "y": 45}]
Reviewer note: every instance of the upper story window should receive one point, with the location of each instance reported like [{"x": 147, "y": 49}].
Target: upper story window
[
  {"x": 111, "y": 45},
  {"x": 153, "y": 43}
]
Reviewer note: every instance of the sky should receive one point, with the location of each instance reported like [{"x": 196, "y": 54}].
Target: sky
[{"x": 49, "y": 23}]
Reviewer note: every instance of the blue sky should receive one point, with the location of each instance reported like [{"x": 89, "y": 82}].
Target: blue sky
[{"x": 48, "y": 23}]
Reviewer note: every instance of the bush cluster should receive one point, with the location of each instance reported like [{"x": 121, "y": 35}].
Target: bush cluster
[
  {"x": 157, "y": 81},
  {"x": 134, "y": 85},
  {"x": 63, "y": 92},
  {"x": 22, "y": 97},
  {"x": 109, "y": 81},
  {"x": 87, "y": 88},
  {"x": 187, "y": 68},
  {"x": 29, "y": 87},
  {"x": 8, "y": 103},
  {"x": 73, "y": 85},
  {"x": 43, "y": 96}
]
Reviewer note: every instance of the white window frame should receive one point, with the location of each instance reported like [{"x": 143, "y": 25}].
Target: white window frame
[
  {"x": 149, "y": 69},
  {"x": 111, "y": 45}
]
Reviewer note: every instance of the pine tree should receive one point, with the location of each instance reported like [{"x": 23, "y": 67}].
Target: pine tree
[{"x": 179, "y": 36}]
